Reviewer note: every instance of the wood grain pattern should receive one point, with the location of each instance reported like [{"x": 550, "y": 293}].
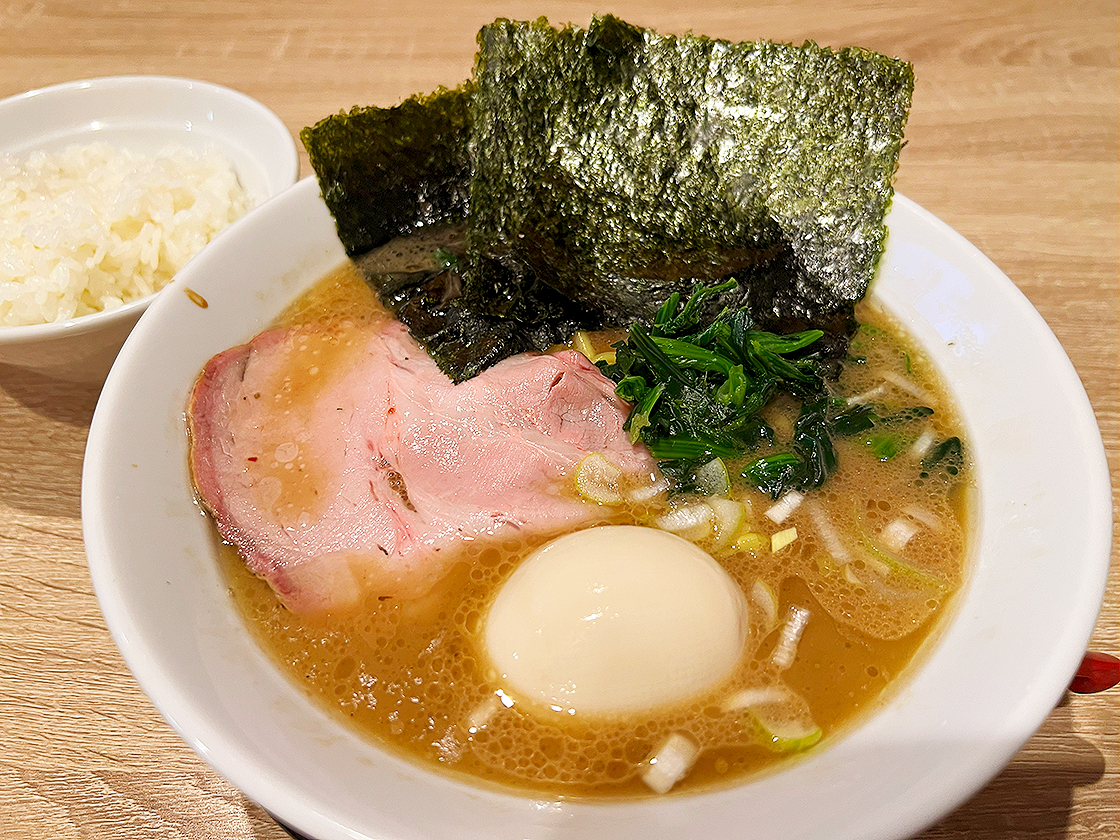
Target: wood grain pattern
[{"x": 1013, "y": 140}]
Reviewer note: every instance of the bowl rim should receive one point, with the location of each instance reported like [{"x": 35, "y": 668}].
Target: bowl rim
[
  {"x": 286, "y": 173},
  {"x": 15, "y": 333},
  {"x": 134, "y": 79},
  {"x": 1032, "y": 703}
]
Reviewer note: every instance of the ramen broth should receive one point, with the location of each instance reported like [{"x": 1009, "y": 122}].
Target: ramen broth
[{"x": 412, "y": 674}]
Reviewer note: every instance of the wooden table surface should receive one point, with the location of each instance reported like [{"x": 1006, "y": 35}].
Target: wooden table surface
[{"x": 1013, "y": 140}]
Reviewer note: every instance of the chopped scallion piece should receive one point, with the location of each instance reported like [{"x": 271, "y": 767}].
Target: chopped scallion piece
[
  {"x": 670, "y": 763},
  {"x": 782, "y": 539}
]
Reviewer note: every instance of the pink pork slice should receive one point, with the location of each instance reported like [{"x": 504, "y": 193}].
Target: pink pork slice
[{"x": 339, "y": 461}]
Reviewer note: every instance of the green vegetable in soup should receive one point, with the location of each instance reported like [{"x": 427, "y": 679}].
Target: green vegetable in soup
[{"x": 698, "y": 386}]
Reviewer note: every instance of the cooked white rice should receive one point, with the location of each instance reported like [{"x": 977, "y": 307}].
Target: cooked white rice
[{"x": 93, "y": 227}]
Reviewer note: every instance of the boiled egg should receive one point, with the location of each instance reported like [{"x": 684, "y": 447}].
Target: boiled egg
[{"x": 615, "y": 619}]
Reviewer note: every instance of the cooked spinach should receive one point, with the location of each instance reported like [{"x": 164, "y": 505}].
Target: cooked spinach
[
  {"x": 810, "y": 459},
  {"x": 697, "y": 387},
  {"x": 947, "y": 455}
]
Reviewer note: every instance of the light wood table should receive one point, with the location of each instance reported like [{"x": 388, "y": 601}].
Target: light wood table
[{"x": 1013, "y": 140}]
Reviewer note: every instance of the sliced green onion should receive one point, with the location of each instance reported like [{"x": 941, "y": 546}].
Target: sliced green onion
[
  {"x": 597, "y": 479},
  {"x": 670, "y": 763},
  {"x": 692, "y": 521},
  {"x": 897, "y": 533},
  {"x": 781, "y": 539},
  {"x": 785, "y": 651},
  {"x": 785, "y": 736},
  {"x": 781, "y": 510},
  {"x": 712, "y": 479},
  {"x": 766, "y": 599},
  {"x": 729, "y": 516}
]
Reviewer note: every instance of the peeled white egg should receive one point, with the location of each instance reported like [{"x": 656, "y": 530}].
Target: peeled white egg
[{"x": 615, "y": 619}]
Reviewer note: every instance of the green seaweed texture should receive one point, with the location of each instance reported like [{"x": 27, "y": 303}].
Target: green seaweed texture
[
  {"x": 387, "y": 172},
  {"x": 601, "y": 169}
]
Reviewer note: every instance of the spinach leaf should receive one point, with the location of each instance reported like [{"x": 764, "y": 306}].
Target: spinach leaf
[{"x": 697, "y": 390}]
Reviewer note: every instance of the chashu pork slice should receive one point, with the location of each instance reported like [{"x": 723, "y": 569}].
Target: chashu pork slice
[{"x": 341, "y": 460}]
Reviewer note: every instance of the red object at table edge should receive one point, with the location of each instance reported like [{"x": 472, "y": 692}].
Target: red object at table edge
[{"x": 1097, "y": 672}]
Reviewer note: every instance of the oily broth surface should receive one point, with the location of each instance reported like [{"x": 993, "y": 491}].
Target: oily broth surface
[{"x": 411, "y": 674}]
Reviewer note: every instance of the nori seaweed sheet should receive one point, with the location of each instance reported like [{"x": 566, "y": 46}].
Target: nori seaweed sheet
[
  {"x": 391, "y": 172},
  {"x": 599, "y": 170},
  {"x": 616, "y": 162},
  {"x": 464, "y": 339},
  {"x": 387, "y": 172}
]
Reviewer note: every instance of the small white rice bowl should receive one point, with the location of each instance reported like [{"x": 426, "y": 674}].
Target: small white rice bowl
[
  {"x": 107, "y": 189},
  {"x": 92, "y": 227}
]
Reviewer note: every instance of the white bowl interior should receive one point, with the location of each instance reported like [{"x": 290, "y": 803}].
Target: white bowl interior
[
  {"x": 1040, "y": 561},
  {"x": 142, "y": 113}
]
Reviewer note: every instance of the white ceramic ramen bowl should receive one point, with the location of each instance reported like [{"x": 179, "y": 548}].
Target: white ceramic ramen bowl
[
  {"x": 143, "y": 114},
  {"x": 1002, "y": 662}
]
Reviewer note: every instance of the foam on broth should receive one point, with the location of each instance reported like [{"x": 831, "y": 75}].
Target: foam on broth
[{"x": 412, "y": 675}]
